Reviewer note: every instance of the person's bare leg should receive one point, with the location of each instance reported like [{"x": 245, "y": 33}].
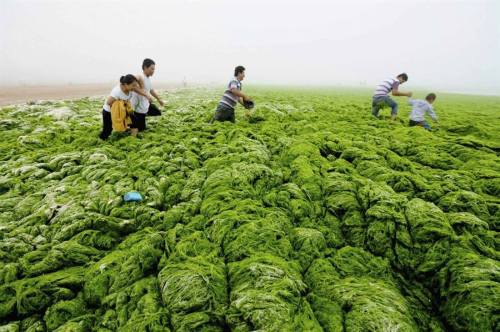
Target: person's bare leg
[
  {"x": 394, "y": 108},
  {"x": 133, "y": 132}
]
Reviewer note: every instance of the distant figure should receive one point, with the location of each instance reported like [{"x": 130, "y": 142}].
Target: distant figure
[
  {"x": 420, "y": 107},
  {"x": 381, "y": 97},
  {"x": 232, "y": 96},
  {"x": 142, "y": 102},
  {"x": 122, "y": 91}
]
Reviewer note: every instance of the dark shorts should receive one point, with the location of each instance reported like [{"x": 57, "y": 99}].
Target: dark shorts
[
  {"x": 107, "y": 125},
  {"x": 424, "y": 124},
  {"x": 153, "y": 110},
  {"x": 224, "y": 113},
  {"x": 139, "y": 121}
]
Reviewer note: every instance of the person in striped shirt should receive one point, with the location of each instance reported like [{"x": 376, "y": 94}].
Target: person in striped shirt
[
  {"x": 232, "y": 96},
  {"x": 381, "y": 97}
]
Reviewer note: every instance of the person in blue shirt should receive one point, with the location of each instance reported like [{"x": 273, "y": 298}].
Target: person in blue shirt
[{"x": 420, "y": 108}]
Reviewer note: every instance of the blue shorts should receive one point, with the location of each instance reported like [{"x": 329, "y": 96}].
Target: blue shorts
[{"x": 379, "y": 102}]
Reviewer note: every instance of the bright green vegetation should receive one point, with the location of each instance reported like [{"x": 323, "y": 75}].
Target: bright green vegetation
[{"x": 309, "y": 215}]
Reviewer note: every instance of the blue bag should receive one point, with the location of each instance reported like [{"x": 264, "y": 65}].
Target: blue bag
[{"x": 132, "y": 196}]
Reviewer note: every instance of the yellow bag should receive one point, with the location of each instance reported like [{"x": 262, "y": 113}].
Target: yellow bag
[{"x": 121, "y": 113}]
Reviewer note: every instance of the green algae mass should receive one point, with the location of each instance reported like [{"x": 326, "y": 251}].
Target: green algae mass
[{"x": 305, "y": 215}]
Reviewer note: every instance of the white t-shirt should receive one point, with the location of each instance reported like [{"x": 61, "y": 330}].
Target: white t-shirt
[
  {"x": 147, "y": 83},
  {"x": 420, "y": 107},
  {"x": 140, "y": 104},
  {"x": 118, "y": 94}
]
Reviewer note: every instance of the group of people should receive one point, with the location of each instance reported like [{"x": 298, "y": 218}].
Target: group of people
[
  {"x": 138, "y": 93},
  {"x": 420, "y": 107}
]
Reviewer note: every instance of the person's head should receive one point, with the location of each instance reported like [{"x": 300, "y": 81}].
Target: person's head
[
  {"x": 239, "y": 73},
  {"x": 148, "y": 67},
  {"x": 402, "y": 78},
  {"x": 128, "y": 82},
  {"x": 430, "y": 98}
]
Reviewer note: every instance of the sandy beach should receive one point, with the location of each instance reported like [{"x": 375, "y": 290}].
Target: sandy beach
[{"x": 21, "y": 94}]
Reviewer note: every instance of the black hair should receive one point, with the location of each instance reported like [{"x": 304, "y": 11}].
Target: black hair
[
  {"x": 430, "y": 96},
  {"x": 403, "y": 76},
  {"x": 147, "y": 63},
  {"x": 128, "y": 79},
  {"x": 238, "y": 70}
]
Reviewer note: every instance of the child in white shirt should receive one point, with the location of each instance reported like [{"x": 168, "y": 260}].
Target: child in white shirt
[{"x": 420, "y": 108}]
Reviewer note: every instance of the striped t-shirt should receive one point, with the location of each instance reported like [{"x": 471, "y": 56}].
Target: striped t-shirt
[
  {"x": 385, "y": 87},
  {"x": 229, "y": 98}
]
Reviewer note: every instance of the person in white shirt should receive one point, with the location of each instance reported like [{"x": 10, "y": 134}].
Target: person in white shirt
[
  {"x": 142, "y": 103},
  {"x": 420, "y": 108},
  {"x": 122, "y": 91}
]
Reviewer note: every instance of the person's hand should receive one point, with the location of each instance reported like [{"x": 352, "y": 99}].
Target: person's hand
[
  {"x": 246, "y": 98},
  {"x": 409, "y": 94},
  {"x": 161, "y": 102}
]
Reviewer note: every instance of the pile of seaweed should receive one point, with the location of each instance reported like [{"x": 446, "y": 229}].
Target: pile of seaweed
[{"x": 305, "y": 215}]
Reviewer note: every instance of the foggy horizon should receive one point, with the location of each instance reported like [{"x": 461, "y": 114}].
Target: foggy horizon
[{"x": 442, "y": 45}]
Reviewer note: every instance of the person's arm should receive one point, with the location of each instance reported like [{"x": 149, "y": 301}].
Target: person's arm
[
  {"x": 143, "y": 93},
  {"x": 433, "y": 115},
  {"x": 140, "y": 80},
  {"x": 140, "y": 90},
  {"x": 110, "y": 101},
  {"x": 238, "y": 93},
  {"x": 396, "y": 92},
  {"x": 154, "y": 94}
]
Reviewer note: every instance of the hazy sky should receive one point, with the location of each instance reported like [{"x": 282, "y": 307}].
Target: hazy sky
[{"x": 444, "y": 45}]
